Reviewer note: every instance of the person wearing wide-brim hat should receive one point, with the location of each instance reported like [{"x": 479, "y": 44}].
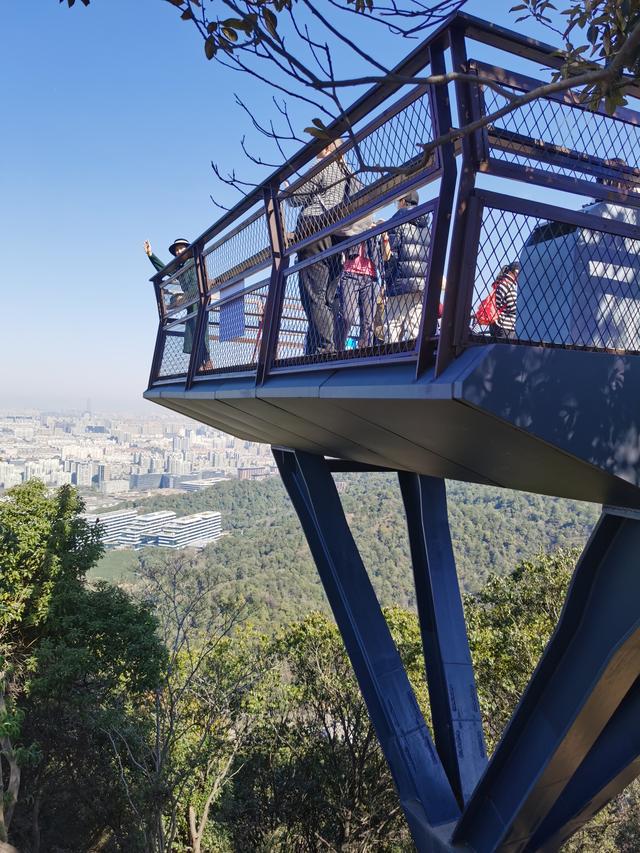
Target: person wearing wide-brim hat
[
  {"x": 179, "y": 245},
  {"x": 188, "y": 283}
]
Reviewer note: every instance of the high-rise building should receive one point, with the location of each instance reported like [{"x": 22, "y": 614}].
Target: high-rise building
[
  {"x": 83, "y": 474},
  {"x": 145, "y": 482},
  {"x": 191, "y": 530}
]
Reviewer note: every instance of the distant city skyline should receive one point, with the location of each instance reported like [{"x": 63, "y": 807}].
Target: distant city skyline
[{"x": 111, "y": 456}]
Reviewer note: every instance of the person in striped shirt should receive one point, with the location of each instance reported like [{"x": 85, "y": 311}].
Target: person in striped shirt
[{"x": 506, "y": 296}]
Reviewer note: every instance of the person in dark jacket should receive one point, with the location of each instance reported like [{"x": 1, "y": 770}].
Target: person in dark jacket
[
  {"x": 188, "y": 284},
  {"x": 406, "y": 265}
]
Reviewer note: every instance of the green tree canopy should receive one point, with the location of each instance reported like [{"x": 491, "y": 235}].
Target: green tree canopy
[{"x": 78, "y": 666}]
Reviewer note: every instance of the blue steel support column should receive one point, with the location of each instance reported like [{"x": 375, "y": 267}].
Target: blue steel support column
[
  {"x": 590, "y": 664},
  {"x": 612, "y": 763},
  {"x": 425, "y": 793},
  {"x": 455, "y": 710}
]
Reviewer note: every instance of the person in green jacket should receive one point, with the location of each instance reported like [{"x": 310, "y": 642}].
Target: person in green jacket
[{"x": 189, "y": 285}]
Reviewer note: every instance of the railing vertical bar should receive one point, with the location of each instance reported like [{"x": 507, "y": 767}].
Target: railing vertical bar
[
  {"x": 157, "y": 350},
  {"x": 447, "y": 343},
  {"x": 202, "y": 318},
  {"x": 275, "y": 295},
  {"x": 441, "y": 117},
  {"x": 466, "y": 278},
  {"x": 157, "y": 355}
]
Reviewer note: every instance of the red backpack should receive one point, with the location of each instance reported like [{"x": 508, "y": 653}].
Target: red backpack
[{"x": 487, "y": 311}]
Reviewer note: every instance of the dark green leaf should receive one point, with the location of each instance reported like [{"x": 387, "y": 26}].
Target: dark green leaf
[
  {"x": 270, "y": 21},
  {"x": 210, "y": 47}
]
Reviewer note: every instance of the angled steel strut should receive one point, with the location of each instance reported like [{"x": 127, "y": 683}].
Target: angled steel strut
[{"x": 572, "y": 743}]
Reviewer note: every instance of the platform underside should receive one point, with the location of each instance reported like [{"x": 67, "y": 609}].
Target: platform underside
[{"x": 549, "y": 421}]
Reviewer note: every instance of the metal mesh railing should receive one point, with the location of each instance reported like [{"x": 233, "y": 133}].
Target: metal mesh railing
[
  {"x": 545, "y": 282},
  {"x": 177, "y": 343},
  {"x": 246, "y": 247},
  {"x": 362, "y": 301},
  {"x": 381, "y": 157},
  {"x": 234, "y": 331},
  {"x": 563, "y": 138},
  {"x": 179, "y": 292}
]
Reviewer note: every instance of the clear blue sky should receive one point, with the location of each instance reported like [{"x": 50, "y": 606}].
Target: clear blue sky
[{"x": 111, "y": 116}]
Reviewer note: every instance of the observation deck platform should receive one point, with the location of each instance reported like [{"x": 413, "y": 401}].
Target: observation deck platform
[
  {"x": 549, "y": 405},
  {"x": 488, "y": 330}
]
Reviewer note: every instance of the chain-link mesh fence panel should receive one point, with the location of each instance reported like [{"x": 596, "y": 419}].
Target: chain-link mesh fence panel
[
  {"x": 233, "y": 332},
  {"x": 556, "y": 136},
  {"x": 176, "y": 349},
  {"x": 245, "y": 247},
  {"x": 349, "y": 177},
  {"x": 363, "y": 301},
  {"x": 179, "y": 292},
  {"x": 546, "y": 282}
]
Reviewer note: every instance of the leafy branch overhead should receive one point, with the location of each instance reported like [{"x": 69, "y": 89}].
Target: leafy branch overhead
[
  {"x": 597, "y": 36},
  {"x": 298, "y": 49},
  {"x": 308, "y": 54}
]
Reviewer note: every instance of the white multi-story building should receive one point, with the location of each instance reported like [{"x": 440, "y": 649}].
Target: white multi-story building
[
  {"x": 199, "y": 485},
  {"x": 191, "y": 531},
  {"x": 144, "y": 529},
  {"x": 113, "y": 524}
]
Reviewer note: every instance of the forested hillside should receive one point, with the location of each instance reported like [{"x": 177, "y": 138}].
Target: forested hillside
[
  {"x": 163, "y": 718},
  {"x": 266, "y": 560}
]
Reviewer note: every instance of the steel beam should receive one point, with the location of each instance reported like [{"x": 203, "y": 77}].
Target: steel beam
[
  {"x": 611, "y": 765},
  {"x": 458, "y": 250},
  {"x": 588, "y": 667},
  {"x": 442, "y": 220},
  {"x": 202, "y": 320},
  {"x": 275, "y": 294},
  {"x": 425, "y": 793},
  {"x": 455, "y": 710}
]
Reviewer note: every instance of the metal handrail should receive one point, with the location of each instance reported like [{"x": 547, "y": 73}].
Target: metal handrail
[
  {"x": 356, "y": 137},
  {"x": 476, "y": 155}
]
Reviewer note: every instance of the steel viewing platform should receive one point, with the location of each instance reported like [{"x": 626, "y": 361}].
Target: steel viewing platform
[{"x": 549, "y": 404}]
